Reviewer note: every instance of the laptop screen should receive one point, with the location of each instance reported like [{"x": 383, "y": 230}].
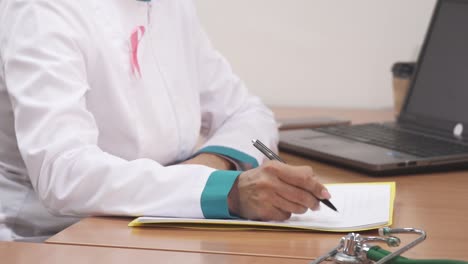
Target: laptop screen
[{"x": 439, "y": 92}]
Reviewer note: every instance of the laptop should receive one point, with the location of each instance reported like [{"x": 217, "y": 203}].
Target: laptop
[{"x": 431, "y": 131}]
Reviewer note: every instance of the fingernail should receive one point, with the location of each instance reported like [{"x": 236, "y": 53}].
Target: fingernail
[{"x": 326, "y": 194}]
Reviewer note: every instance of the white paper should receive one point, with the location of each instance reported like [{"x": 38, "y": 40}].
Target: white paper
[{"x": 360, "y": 207}]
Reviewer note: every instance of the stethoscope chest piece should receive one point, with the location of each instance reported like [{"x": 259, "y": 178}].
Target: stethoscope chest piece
[{"x": 353, "y": 248}]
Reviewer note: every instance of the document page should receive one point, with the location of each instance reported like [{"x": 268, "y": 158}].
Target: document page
[{"x": 361, "y": 206}]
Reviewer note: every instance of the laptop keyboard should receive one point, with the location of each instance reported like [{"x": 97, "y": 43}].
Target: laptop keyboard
[{"x": 395, "y": 139}]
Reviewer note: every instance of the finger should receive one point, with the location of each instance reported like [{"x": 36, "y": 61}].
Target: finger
[
  {"x": 276, "y": 214},
  {"x": 303, "y": 177},
  {"x": 296, "y": 195},
  {"x": 288, "y": 206},
  {"x": 269, "y": 213}
]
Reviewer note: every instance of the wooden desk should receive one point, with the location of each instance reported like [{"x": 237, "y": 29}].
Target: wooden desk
[
  {"x": 437, "y": 203},
  {"x": 33, "y": 253}
]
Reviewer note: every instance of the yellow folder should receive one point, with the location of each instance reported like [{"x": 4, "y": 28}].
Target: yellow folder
[{"x": 361, "y": 206}]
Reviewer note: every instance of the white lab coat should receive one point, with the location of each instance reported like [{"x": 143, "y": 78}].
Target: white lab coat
[{"x": 82, "y": 133}]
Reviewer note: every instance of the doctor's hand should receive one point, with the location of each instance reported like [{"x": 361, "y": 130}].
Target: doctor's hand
[{"x": 274, "y": 191}]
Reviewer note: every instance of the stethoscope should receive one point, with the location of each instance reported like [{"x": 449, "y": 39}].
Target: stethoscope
[{"x": 353, "y": 249}]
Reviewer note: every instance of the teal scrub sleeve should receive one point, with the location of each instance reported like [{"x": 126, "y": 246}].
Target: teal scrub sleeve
[
  {"x": 243, "y": 160},
  {"x": 214, "y": 202}
]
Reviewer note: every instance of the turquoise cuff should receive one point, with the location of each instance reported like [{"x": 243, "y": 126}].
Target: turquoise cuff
[
  {"x": 214, "y": 202},
  {"x": 246, "y": 160}
]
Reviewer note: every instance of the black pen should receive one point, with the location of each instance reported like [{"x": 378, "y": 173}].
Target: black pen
[{"x": 272, "y": 156}]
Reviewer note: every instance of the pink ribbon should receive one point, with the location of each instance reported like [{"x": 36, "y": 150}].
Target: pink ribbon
[{"x": 135, "y": 38}]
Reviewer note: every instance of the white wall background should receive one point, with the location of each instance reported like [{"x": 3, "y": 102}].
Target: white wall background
[{"x": 317, "y": 52}]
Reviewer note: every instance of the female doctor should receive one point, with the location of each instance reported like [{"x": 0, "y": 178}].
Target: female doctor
[{"x": 102, "y": 107}]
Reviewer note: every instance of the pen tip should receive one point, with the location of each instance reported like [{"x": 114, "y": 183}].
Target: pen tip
[
  {"x": 254, "y": 141},
  {"x": 329, "y": 204}
]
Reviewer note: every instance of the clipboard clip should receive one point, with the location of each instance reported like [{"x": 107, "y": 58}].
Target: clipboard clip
[{"x": 353, "y": 248}]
